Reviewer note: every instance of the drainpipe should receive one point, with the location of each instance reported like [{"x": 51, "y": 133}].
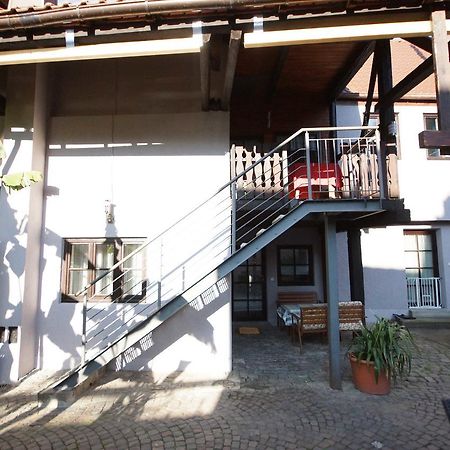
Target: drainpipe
[{"x": 84, "y": 13}]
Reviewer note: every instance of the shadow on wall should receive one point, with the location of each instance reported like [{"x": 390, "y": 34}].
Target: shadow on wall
[
  {"x": 192, "y": 321},
  {"x": 12, "y": 266},
  {"x": 385, "y": 291},
  {"x": 55, "y": 324}
]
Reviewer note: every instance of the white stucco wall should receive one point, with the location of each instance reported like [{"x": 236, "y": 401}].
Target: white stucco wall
[
  {"x": 14, "y": 215},
  {"x": 131, "y": 132},
  {"x": 426, "y": 191}
]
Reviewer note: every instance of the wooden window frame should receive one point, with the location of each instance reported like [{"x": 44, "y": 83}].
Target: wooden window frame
[
  {"x": 433, "y": 250},
  {"x": 117, "y": 296},
  {"x": 441, "y": 157},
  {"x": 307, "y": 280}
]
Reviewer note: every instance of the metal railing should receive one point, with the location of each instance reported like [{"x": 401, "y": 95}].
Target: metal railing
[
  {"x": 343, "y": 167},
  {"x": 424, "y": 292}
]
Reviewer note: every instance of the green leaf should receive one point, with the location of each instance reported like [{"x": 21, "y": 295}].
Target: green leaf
[
  {"x": 20, "y": 180},
  {"x": 388, "y": 345}
]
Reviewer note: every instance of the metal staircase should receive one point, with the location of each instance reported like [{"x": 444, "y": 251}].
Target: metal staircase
[{"x": 334, "y": 174}]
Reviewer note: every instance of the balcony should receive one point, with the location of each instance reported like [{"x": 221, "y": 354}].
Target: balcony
[{"x": 311, "y": 167}]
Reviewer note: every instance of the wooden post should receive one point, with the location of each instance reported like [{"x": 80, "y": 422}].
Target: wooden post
[
  {"x": 439, "y": 138},
  {"x": 233, "y": 50},
  {"x": 205, "y": 79},
  {"x": 355, "y": 266},
  {"x": 441, "y": 67},
  {"x": 333, "y": 304},
  {"x": 387, "y": 120}
]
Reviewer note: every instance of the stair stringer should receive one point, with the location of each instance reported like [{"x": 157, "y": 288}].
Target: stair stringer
[{"x": 65, "y": 390}]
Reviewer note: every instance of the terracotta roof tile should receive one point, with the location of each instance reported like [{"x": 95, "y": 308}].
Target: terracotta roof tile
[{"x": 405, "y": 58}]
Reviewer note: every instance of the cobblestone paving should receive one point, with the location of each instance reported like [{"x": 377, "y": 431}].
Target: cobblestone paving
[{"x": 276, "y": 398}]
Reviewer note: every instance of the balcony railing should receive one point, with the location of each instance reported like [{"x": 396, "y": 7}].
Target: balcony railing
[
  {"x": 317, "y": 168},
  {"x": 424, "y": 292}
]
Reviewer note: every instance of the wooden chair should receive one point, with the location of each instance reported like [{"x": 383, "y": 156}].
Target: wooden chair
[{"x": 294, "y": 298}]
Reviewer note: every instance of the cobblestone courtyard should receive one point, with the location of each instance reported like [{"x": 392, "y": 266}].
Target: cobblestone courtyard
[{"x": 276, "y": 398}]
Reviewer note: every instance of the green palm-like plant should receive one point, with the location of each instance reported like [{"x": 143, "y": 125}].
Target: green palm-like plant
[{"x": 387, "y": 345}]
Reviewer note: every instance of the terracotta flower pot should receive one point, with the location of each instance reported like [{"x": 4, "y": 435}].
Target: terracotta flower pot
[{"x": 364, "y": 377}]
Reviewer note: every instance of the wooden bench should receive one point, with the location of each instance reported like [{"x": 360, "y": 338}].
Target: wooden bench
[
  {"x": 295, "y": 298},
  {"x": 313, "y": 318}
]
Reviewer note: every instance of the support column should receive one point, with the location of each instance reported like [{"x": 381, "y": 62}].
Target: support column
[
  {"x": 388, "y": 163},
  {"x": 441, "y": 67},
  {"x": 32, "y": 282},
  {"x": 333, "y": 304},
  {"x": 355, "y": 265}
]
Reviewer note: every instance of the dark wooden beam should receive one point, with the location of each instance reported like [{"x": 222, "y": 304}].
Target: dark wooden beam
[
  {"x": 424, "y": 43},
  {"x": 387, "y": 116},
  {"x": 419, "y": 74},
  {"x": 353, "y": 68},
  {"x": 370, "y": 91},
  {"x": 441, "y": 67},
  {"x": 205, "y": 79},
  {"x": 282, "y": 55},
  {"x": 434, "y": 139},
  {"x": 355, "y": 265},
  {"x": 233, "y": 51}
]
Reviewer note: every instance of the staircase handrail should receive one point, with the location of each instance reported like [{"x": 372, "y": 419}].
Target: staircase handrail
[{"x": 148, "y": 241}]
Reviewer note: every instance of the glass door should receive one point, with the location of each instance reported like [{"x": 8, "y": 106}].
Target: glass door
[{"x": 249, "y": 299}]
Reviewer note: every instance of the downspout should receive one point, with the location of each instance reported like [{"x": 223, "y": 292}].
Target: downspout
[{"x": 82, "y": 14}]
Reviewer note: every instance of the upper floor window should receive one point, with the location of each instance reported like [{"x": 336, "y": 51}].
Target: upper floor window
[
  {"x": 431, "y": 124},
  {"x": 295, "y": 265},
  {"x": 86, "y": 259}
]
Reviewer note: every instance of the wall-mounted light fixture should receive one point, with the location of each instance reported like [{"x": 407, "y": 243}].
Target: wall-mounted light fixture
[{"x": 109, "y": 211}]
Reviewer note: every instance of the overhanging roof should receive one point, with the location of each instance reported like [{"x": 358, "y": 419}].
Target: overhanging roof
[{"x": 111, "y": 14}]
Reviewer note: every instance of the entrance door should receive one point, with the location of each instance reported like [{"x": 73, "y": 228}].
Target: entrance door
[{"x": 249, "y": 299}]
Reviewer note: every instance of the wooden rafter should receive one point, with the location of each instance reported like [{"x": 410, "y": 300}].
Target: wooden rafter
[
  {"x": 233, "y": 51},
  {"x": 371, "y": 90},
  {"x": 344, "y": 78},
  {"x": 419, "y": 74}
]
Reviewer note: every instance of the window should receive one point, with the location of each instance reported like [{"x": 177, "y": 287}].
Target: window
[
  {"x": 86, "y": 259},
  {"x": 420, "y": 254},
  {"x": 431, "y": 124},
  {"x": 295, "y": 265}
]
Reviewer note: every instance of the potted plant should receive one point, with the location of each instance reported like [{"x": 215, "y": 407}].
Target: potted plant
[{"x": 378, "y": 354}]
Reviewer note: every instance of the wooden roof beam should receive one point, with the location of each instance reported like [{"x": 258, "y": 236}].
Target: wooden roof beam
[
  {"x": 341, "y": 33},
  {"x": 344, "y": 78},
  {"x": 230, "y": 69},
  {"x": 419, "y": 74},
  {"x": 205, "y": 76}
]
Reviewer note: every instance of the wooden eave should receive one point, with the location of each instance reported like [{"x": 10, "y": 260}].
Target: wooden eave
[{"x": 107, "y": 15}]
